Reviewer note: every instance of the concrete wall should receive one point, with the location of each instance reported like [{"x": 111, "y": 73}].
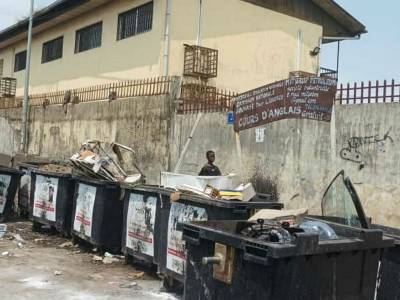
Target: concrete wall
[
  {"x": 294, "y": 153},
  {"x": 256, "y": 45},
  {"x": 374, "y": 134},
  {"x": 302, "y": 156},
  {"x": 142, "y": 123}
]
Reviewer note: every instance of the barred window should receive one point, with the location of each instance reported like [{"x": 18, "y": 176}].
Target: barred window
[
  {"x": 135, "y": 21},
  {"x": 20, "y": 61},
  {"x": 1, "y": 67},
  {"x": 52, "y": 50},
  {"x": 89, "y": 37}
]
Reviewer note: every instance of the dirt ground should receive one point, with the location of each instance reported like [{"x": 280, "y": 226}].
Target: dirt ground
[{"x": 44, "y": 266}]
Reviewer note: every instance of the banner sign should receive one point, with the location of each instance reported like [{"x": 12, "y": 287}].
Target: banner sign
[{"x": 300, "y": 98}]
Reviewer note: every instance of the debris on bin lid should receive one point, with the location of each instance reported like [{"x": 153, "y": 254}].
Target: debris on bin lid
[
  {"x": 105, "y": 162},
  {"x": 290, "y": 215},
  {"x": 244, "y": 192}
]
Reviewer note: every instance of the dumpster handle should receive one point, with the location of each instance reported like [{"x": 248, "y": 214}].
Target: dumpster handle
[
  {"x": 240, "y": 209},
  {"x": 256, "y": 254},
  {"x": 192, "y": 235}
]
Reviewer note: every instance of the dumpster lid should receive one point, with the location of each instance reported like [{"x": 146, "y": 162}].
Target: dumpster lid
[
  {"x": 9, "y": 170},
  {"x": 92, "y": 181},
  {"x": 199, "y": 200},
  {"x": 50, "y": 173},
  {"x": 228, "y": 233}
]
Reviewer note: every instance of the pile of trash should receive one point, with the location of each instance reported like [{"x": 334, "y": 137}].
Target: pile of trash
[
  {"x": 99, "y": 161},
  {"x": 226, "y": 187}
]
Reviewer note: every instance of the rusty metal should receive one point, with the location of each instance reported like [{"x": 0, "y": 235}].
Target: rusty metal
[
  {"x": 362, "y": 93},
  {"x": 112, "y": 91},
  {"x": 197, "y": 97},
  {"x": 301, "y": 98},
  {"x": 324, "y": 72},
  {"x": 8, "y": 87},
  {"x": 223, "y": 270},
  {"x": 200, "y": 62}
]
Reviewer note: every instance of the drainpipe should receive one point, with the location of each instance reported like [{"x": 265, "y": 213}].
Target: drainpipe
[
  {"x": 200, "y": 23},
  {"x": 25, "y": 106},
  {"x": 167, "y": 37},
  {"x": 299, "y": 50}
]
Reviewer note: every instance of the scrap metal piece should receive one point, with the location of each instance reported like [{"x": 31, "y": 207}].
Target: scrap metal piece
[{"x": 223, "y": 270}]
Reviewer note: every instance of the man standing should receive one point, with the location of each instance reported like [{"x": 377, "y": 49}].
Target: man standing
[{"x": 210, "y": 169}]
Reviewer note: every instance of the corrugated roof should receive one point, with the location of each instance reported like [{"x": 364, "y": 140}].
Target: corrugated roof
[{"x": 63, "y": 10}]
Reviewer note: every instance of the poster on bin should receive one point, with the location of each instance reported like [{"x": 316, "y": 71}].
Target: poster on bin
[
  {"x": 84, "y": 209},
  {"x": 4, "y": 185},
  {"x": 45, "y": 198},
  {"x": 140, "y": 224},
  {"x": 176, "y": 253}
]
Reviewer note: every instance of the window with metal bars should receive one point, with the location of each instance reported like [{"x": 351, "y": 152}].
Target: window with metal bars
[
  {"x": 20, "y": 61},
  {"x": 135, "y": 21},
  {"x": 1, "y": 67},
  {"x": 52, "y": 50},
  {"x": 89, "y": 37}
]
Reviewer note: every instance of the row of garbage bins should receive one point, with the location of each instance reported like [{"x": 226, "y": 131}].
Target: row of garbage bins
[{"x": 213, "y": 259}]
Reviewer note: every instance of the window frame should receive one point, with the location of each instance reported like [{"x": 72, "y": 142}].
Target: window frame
[
  {"x": 1, "y": 67},
  {"x": 121, "y": 22},
  {"x": 78, "y": 34},
  {"x": 15, "y": 61},
  {"x": 47, "y": 60}
]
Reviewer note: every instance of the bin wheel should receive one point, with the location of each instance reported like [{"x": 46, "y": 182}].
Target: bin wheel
[
  {"x": 128, "y": 259},
  {"x": 172, "y": 285},
  {"x": 36, "y": 227},
  {"x": 75, "y": 240}
]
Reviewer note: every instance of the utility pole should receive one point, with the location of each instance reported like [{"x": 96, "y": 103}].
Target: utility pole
[{"x": 25, "y": 106}]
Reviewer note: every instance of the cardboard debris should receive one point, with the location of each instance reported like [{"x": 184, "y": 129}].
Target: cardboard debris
[
  {"x": 291, "y": 215},
  {"x": 98, "y": 161}
]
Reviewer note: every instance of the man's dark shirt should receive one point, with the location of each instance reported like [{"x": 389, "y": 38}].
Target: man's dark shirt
[{"x": 210, "y": 170}]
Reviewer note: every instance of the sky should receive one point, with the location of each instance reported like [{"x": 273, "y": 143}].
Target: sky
[{"x": 374, "y": 57}]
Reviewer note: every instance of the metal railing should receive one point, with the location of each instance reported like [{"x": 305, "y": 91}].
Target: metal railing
[
  {"x": 363, "y": 93},
  {"x": 196, "y": 98},
  {"x": 111, "y": 91},
  {"x": 324, "y": 72}
]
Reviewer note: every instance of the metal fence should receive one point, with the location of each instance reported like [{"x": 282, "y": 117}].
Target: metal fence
[
  {"x": 111, "y": 91},
  {"x": 363, "y": 93},
  {"x": 197, "y": 98}
]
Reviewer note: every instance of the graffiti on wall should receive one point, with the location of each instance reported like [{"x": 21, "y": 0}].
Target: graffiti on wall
[{"x": 353, "y": 151}]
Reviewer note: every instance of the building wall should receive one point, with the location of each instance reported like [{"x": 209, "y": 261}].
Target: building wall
[
  {"x": 375, "y": 134},
  {"x": 132, "y": 58},
  {"x": 256, "y": 46},
  {"x": 302, "y": 156},
  {"x": 142, "y": 123}
]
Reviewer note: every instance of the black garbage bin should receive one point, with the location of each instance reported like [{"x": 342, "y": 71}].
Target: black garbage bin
[
  {"x": 51, "y": 200},
  {"x": 9, "y": 182},
  {"x": 389, "y": 281},
  {"x": 98, "y": 214},
  {"x": 142, "y": 222},
  {"x": 225, "y": 263},
  {"x": 190, "y": 207}
]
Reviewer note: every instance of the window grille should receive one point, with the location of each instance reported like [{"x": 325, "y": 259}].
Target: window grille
[
  {"x": 200, "y": 62},
  {"x": 1, "y": 67},
  {"x": 89, "y": 37},
  {"x": 135, "y": 21},
  {"x": 20, "y": 61},
  {"x": 52, "y": 50}
]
